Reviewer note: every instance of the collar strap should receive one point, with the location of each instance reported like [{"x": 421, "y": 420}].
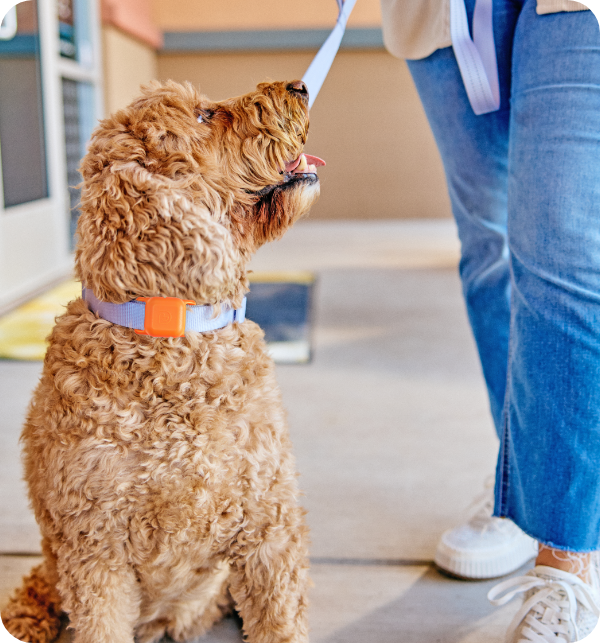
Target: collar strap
[{"x": 164, "y": 316}]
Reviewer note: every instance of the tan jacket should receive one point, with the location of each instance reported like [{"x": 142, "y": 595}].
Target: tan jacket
[{"x": 416, "y": 28}]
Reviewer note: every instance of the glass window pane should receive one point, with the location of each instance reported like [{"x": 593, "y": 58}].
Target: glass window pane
[
  {"x": 22, "y": 146},
  {"x": 78, "y": 109},
  {"x": 66, "y": 28},
  {"x": 74, "y": 31},
  {"x": 83, "y": 33}
]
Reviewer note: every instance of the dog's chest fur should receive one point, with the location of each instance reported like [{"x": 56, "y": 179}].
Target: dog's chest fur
[{"x": 161, "y": 442}]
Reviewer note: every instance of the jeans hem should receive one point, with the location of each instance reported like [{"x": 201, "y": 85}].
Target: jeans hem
[{"x": 547, "y": 543}]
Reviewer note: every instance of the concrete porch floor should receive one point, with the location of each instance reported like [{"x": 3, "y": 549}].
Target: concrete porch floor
[{"x": 391, "y": 433}]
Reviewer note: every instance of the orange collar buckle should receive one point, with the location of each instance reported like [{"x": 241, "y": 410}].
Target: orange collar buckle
[{"x": 164, "y": 316}]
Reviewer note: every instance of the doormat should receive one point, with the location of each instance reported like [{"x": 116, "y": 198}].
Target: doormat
[{"x": 279, "y": 302}]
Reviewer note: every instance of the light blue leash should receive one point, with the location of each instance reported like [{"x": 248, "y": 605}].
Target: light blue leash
[
  {"x": 319, "y": 68},
  {"x": 476, "y": 58}
]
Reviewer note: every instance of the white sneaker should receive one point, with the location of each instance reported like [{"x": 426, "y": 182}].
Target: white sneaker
[
  {"x": 484, "y": 547},
  {"x": 558, "y": 606}
]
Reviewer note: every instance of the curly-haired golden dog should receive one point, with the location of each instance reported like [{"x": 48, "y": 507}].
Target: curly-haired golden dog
[{"x": 159, "y": 468}]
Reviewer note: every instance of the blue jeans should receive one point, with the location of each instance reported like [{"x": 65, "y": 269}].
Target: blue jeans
[{"x": 524, "y": 183}]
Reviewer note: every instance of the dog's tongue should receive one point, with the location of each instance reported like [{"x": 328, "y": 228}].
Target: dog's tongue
[
  {"x": 302, "y": 164},
  {"x": 314, "y": 160}
]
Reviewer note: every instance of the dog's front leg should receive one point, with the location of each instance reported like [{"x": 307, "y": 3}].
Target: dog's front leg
[
  {"x": 270, "y": 581},
  {"x": 101, "y": 599}
]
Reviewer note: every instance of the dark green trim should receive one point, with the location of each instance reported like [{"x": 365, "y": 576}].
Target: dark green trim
[
  {"x": 21, "y": 46},
  {"x": 266, "y": 40}
]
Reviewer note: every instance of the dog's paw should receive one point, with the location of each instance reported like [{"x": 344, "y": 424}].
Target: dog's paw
[{"x": 31, "y": 628}]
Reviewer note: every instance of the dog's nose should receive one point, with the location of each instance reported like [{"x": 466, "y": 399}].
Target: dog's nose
[{"x": 298, "y": 87}]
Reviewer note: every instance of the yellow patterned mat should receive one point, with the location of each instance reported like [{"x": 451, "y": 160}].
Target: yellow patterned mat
[{"x": 23, "y": 331}]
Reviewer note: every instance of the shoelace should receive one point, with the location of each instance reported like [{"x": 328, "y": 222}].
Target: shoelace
[
  {"x": 553, "y": 607},
  {"x": 479, "y": 512}
]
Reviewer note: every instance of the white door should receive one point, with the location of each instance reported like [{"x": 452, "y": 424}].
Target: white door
[{"x": 49, "y": 102}]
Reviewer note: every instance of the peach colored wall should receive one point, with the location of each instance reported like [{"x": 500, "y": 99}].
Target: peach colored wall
[
  {"x": 367, "y": 123},
  {"x": 133, "y": 17},
  {"x": 225, "y": 15},
  {"x": 128, "y": 63},
  {"x": 27, "y": 19}
]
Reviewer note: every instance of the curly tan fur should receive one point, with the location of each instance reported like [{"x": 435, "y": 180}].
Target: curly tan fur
[{"x": 160, "y": 469}]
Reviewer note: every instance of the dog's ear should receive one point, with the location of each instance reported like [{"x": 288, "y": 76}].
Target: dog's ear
[{"x": 139, "y": 234}]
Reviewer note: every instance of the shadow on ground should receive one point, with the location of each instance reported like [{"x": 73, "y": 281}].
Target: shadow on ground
[{"x": 436, "y": 609}]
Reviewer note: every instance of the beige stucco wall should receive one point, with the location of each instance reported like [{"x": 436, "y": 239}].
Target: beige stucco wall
[
  {"x": 208, "y": 15},
  {"x": 367, "y": 123},
  {"x": 128, "y": 63}
]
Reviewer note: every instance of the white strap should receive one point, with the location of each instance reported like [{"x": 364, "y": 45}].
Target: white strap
[
  {"x": 319, "y": 68},
  {"x": 131, "y": 314},
  {"x": 476, "y": 58}
]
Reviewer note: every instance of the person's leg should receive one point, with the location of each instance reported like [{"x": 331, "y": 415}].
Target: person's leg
[
  {"x": 576, "y": 563},
  {"x": 548, "y": 481},
  {"x": 474, "y": 150}
]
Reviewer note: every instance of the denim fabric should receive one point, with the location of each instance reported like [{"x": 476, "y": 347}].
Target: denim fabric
[{"x": 524, "y": 183}]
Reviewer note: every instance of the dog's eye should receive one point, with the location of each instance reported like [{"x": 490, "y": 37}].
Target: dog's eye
[{"x": 204, "y": 115}]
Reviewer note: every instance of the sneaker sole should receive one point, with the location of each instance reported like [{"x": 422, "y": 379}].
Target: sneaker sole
[{"x": 468, "y": 566}]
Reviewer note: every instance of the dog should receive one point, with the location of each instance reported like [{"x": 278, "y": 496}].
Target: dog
[{"x": 159, "y": 467}]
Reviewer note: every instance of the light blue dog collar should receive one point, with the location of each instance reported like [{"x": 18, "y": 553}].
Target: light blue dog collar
[{"x": 164, "y": 316}]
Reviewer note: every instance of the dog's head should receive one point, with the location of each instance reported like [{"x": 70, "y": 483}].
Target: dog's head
[{"x": 178, "y": 191}]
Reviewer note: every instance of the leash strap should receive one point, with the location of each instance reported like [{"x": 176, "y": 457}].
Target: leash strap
[
  {"x": 132, "y": 314},
  {"x": 319, "y": 68},
  {"x": 476, "y": 58}
]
